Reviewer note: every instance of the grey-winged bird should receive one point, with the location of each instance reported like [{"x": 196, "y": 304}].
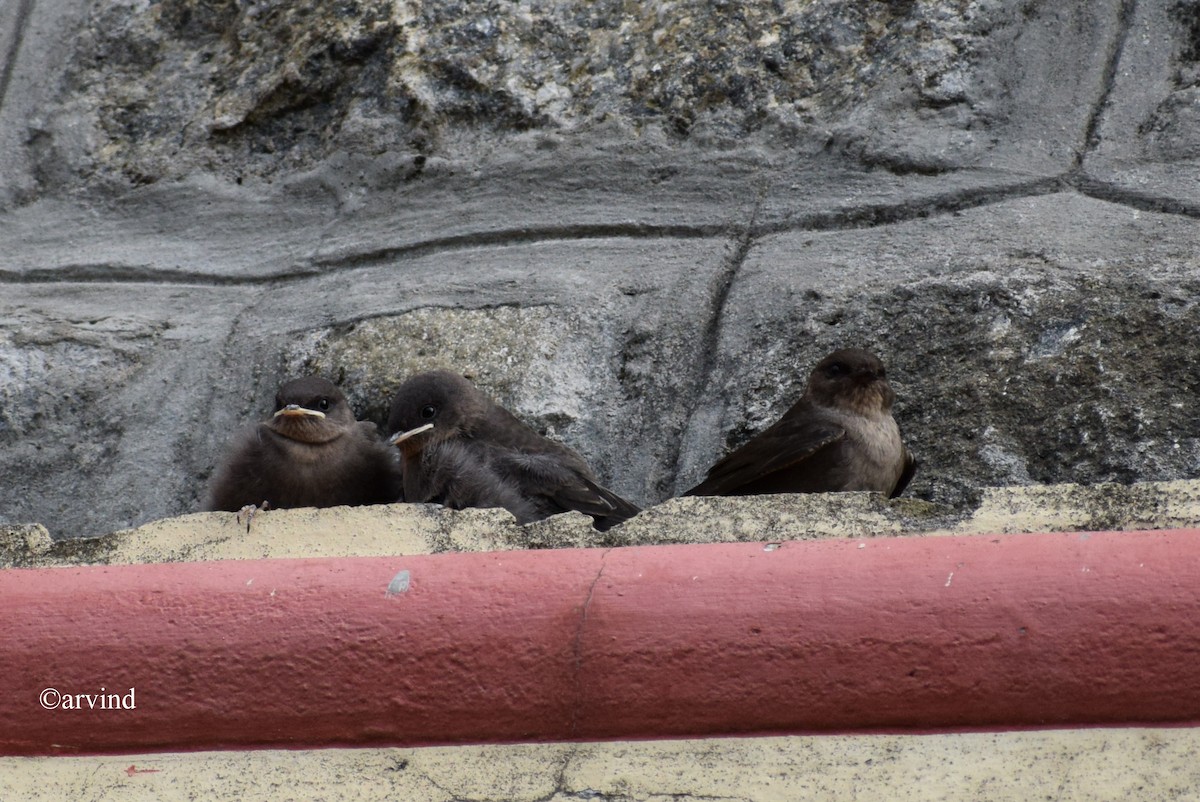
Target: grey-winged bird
[
  {"x": 839, "y": 436},
  {"x": 461, "y": 449}
]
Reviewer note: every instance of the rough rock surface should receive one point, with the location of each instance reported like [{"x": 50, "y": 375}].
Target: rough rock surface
[
  {"x": 403, "y": 529},
  {"x": 157, "y": 91},
  {"x": 637, "y": 224}
]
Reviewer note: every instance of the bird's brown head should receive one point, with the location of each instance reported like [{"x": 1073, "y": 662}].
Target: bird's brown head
[
  {"x": 311, "y": 410},
  {"x": 853, "y": 379},
  {"x": 434, "y": 407}
]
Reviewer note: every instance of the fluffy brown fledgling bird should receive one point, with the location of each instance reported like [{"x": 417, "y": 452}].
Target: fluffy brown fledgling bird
[
  {"x": 839, "y": 436},
  {"x": 461, "y": 449},
  {"x": 310, "y": 453}
]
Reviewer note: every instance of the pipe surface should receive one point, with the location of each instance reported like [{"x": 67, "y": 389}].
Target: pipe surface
[{"x": 917, "y": 633}]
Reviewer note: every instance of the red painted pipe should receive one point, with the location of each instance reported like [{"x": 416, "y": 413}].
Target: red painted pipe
[{"x": 890, "y": 633}]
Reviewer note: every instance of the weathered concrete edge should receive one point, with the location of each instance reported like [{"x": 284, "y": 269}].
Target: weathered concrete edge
[
  {"x": 1080, "y": 764},
  {"x": 427, "y": 529},
  {"x": 992, "y": 631}
]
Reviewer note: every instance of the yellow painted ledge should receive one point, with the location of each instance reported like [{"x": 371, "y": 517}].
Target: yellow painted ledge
[
  {"x": 392, "y": 529},
  {"x": 1063, "y": 766}
]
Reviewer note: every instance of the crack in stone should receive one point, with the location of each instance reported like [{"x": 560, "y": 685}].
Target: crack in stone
[
  {"x": 577, "y": 647},
  {"x": 851, "y": 218},
  {"x": 1091, "y": 136},
  {"x": 521, "y": 236},
  {"x": 572, "y": 751},
  {"x": 935, "y": 205},
  {"x": 191, "y": 440},
  {"x": 24, "y": 11},
  {"x": 451, "y": 796},
  {"x": 109, "y": 273},
  {"x": 710, "y": 339},
  {"x": 862, "y": 217},
  {"x": 1142, "y": 201},
  {"x": 559, "y": 783}
]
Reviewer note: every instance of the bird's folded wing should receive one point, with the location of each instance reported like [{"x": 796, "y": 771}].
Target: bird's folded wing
[
  {"x": 606, "y": 507},
  {"x": 910, "y": 469},
  {"x": 459, "y": 476},
  {"x": 566, "y": 487},
  {"x": 781, "y": 446}
]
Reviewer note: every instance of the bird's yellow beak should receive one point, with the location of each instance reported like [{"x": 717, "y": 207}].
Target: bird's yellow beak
[
  {"x": 400, "y": 437},
  {"x": 297, "y": 411}
]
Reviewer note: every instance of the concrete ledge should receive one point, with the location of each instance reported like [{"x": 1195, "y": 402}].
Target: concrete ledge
[
  {"x": 892, "y": 633},
  {"x": 1066, "y": 766},
  {"x": 391, "y": 529}
]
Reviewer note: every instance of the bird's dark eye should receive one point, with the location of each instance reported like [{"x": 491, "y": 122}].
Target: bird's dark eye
[
  {"x": 323, "y": 404},
  {"x": 881, "y": 373},
  {"x": 428, "y": 411},
  {"x": 837, "y": 369}
]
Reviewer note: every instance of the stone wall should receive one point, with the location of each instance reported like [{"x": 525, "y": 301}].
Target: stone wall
[{"x": 639, "y": 225}]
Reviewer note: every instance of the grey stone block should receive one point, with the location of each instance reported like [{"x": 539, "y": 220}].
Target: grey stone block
[
  {"x": 1041, "y": 340},
  {"x": 637, "y": 227},
  {"x": 1147, "y": 143}
]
